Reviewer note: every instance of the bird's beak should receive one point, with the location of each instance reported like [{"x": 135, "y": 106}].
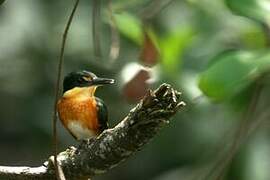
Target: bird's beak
[{"x": 102, "y": 81}]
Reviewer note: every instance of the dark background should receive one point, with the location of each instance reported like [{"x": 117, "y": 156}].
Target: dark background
[{"x": 30, "y": 37}]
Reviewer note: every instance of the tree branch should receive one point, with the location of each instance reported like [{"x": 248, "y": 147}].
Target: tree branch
[{"x": 97, "y": 156}]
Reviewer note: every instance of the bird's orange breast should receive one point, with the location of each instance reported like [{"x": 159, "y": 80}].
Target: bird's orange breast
[{"x": 82, "y": 112}]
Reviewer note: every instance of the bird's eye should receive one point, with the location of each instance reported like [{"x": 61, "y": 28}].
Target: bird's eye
[{"x": 85, "y": 78}]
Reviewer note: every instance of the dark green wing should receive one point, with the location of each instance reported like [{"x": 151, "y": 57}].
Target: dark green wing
[{"x": 102, "y": 114}]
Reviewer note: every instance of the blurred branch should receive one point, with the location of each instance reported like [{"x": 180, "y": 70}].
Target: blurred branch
[
  {"x": 96, "y": 29},
  {"x": 99, "y": 155},
  {"x": 115, "y": 39},
  {"x": 241, "y": 133},
  {"x": 153, "y": 9},
  {"x": 246, "y": 126}
]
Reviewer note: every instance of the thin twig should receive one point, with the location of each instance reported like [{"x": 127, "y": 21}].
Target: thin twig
[
  {"x": 96, "y": 30},
  {"x": 57, "y": 90}
]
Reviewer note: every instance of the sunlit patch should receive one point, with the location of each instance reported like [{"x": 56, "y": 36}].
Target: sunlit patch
[
  {"x": 265, "y": 4},
  {"x": 132, "y": 69}
]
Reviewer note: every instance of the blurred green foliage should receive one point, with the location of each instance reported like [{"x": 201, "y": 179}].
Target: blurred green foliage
[
  {"x": 254, "y": 9},
  {"x": 232, "y": 72},
  {"x": 212, "y": 51},
  {"x": 130, "y": 26},
  {"x": 172, "y": 48}
]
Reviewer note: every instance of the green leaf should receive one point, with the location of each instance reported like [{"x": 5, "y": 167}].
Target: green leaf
[
  {"x": 172, "y": 48},
  {"x": 253, "y": 37},
  {"x": 258, "y": 10},
  {"x": 231, "y": 72},
  {"x": 130, "y": 26}
]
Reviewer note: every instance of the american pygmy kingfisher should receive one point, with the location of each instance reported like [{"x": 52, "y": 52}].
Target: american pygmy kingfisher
[{"x": 83, "y": 115}]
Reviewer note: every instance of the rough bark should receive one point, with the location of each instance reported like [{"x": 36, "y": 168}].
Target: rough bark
[{"x": 97, "y": 156}]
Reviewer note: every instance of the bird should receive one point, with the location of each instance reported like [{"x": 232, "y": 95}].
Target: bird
[{"x": 81, "y": 113}]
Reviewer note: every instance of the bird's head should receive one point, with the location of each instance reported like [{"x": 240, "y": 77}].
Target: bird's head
[{"x": 83, "y": 80}]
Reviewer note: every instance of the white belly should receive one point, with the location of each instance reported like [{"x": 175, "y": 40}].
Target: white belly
[{"x": 80, "y": 132}]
